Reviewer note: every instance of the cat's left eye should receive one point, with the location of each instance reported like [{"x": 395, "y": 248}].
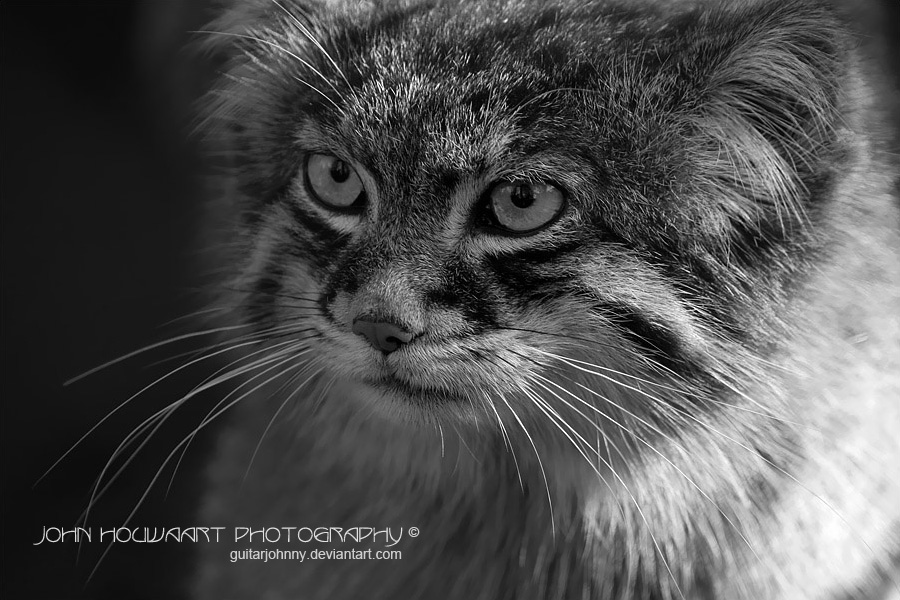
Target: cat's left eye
[
  {"x": 333, "y": 182},
  {"x": 523, "y": 207}
]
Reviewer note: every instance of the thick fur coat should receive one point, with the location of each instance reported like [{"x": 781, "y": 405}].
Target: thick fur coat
[{"x": 683, "y": 385}]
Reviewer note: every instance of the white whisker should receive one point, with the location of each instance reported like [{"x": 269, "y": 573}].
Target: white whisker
[
  {"x": 278, "y": 412},
  {"x": 293, "y": 55},
  {"x": 540, "y": 463},
  {"x": 153, "y": 346},
  {"x": 653, "y": 449},
  {"x": 615, "y": 474},
  {"x": 506, "y": 440},
  {"x": 160, "y": 416},
  {"x": 187, "y": 440},
  {"x": 308, "y": 34}
]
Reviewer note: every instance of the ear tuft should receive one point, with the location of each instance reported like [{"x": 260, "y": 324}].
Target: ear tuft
[{"x": 766, "y": 125}]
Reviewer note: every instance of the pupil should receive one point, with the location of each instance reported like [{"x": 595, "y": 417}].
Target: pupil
[
  {"x": 522, "y": 196},
  {"x": 340, "y": 171}
]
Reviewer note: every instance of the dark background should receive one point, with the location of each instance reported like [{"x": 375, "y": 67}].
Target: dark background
[{"x": 99, "y": 210}]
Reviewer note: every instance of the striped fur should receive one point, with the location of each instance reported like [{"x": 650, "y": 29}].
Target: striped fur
[{"x": 684, "y": 387}]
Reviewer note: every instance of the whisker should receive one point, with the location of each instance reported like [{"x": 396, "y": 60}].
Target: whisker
[
  {"x": 289, "y": 331},
  {"x": 704, "y": 398},
  {"x": 540, "y": 463},
  {"x": 275, "y": 416},
  {"x": 184, "y": 450},
  {"x": 132, "y": 398},
  {"x": 506, "y": 440},
  {"x": 686, "y": 415},
  {"x": 195, "y": 314},
  {"x": 305, "y": 63},
  {"x": 627, "y": 490},
  {"x": 162, "y": 415},
  {"x": 174, "y": 451},
  {"x": 658, "y": 401},
  {"x": 263, "y": 336},
  {"x": 851, "y": 530},
  {"x": 557, "y": 420},
  {"x": 290, "y": 352},
  {"x": 305, "y": 30},
  {"x": 323, "y": 394},
  {"x": 303, "y": 298},
  {"x": 153, "y": 346},
  {"x": 652, "y": 448}
]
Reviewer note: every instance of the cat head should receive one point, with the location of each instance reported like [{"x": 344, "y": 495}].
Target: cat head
[{"x": 502, "y": 210}]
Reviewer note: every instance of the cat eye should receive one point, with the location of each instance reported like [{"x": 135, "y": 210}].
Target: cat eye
[
  {"x": 522, "y": 207},
  {"x": 333, "y": 182}
]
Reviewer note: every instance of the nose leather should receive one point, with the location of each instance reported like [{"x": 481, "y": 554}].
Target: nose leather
[{"x": 383, "y": 335}]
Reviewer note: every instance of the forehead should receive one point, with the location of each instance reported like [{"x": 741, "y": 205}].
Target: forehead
[
  {"x": 423, "y": 94},
  {"x": 450, "y": 91},
  {"x": 460, "y": 85}
]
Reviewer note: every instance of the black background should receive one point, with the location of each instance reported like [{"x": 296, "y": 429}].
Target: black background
[{"x": 99, "y": 210}]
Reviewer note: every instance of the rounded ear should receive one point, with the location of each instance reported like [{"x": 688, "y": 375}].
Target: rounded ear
[{"x": 765, "y": 127}]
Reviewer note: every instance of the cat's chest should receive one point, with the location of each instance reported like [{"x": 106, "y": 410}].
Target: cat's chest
[{"x": 362, "y": 536}]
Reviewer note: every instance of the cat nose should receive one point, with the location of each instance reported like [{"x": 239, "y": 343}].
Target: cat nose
[{"x": 383, "y": 335}]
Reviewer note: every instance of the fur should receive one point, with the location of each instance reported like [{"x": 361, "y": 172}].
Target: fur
[{"x": 684, "y": 387}]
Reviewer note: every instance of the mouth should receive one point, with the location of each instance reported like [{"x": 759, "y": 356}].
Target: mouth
[
  {"x": 398, "y": 383},
  {"x": 425, "y": 374},
  {"x": 414, "y": 392}
]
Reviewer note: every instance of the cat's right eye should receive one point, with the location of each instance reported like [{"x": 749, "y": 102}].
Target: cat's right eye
[{"x": 333, "y": 182}]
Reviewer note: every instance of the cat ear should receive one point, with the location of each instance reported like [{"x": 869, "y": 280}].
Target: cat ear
[{"x": 765, "y": 127}]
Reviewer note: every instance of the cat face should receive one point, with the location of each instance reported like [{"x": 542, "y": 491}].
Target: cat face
[{"x": 516, "y": 208}]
